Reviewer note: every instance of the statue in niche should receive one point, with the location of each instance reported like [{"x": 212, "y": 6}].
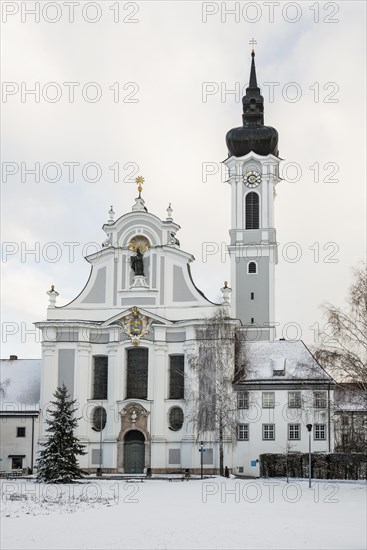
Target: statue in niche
[{"x": 137, "y": 263}]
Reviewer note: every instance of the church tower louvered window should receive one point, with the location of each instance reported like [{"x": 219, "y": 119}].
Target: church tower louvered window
[{"x": 252, "y": 211}]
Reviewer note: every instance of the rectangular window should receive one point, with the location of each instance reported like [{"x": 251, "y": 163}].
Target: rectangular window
[
  {"x": 97, "y": 456},
  {"x": 252, "y": 295},
  {"x": 208, "y": 456},
  {"x": 176, "y": 376},
  {"x": 100, "y": 377},
  {"x": 268, "y": 398},
  {"x": 174, "y": 456},
  {"x": 319, "y": 399},
  {"x": 268, "y": 431},
  {"x": 20, "y": 432},
  {"x": 294, "y": 431},
  {"x": 345, "y": 420},
  {"x": 294, "y": 399},
  {"x": 319, "y": 432},
  {"x": 242, "y": 400},
  {"x": 242, "y": 432},
  {"x": 17, "y": 462},
  {"x": 137, "y": 373}
]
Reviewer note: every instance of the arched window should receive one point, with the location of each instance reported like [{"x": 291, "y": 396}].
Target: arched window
[
  {"x": 100, "y": 377},
  {"x": 252, "y": 267},
  {"x": 99, "y": 418},
  {"x": 176, "y": 418},
  {"x": 176, "y": 379},
  {"x": 137, "y": 373},
  {"x": 252, "y": 210}
]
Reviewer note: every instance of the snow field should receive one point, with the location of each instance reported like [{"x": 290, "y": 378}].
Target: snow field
[{"x": 211, "y": 513}]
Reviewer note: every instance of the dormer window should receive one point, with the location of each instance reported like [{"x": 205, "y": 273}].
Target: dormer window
[{"x": 278, "y": 366}]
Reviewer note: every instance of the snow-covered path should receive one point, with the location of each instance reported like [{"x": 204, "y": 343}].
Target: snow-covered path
[{"x": 214, "y": 513}]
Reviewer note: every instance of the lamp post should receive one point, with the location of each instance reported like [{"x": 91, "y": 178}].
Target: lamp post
[
  {"x": 202, "y": 451},
  {"x": 309, "y": 427},
  {"x": 99, "y": 472}
]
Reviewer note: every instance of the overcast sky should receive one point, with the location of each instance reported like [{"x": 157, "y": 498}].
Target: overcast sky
[{"x": 157, "y": 57}]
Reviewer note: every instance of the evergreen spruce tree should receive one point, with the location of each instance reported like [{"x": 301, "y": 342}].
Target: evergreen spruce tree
[{"x": 57, "y": 462}]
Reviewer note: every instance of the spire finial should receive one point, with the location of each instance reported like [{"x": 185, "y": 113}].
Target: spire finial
[
  {"x": 253, "y": 79},
  {"x": 252, "y": 43},
  {"x": 140, "y": 180}
]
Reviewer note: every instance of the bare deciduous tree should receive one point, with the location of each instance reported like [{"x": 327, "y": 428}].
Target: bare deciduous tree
[
  {"x": 343, "y": 348},
  {"x": 215, "y": 366},
  {"x": 3, "y": 387}
]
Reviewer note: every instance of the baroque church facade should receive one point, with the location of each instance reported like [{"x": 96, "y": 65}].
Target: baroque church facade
[{"x": 123, "y": 345}]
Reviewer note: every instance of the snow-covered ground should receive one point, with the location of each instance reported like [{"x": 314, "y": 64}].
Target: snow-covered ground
[{"x": 213, "y": 513}]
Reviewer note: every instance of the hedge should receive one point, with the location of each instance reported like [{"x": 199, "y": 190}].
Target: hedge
[{"x": 323, "y": 465}]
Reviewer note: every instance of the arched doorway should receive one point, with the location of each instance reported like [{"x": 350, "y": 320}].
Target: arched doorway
[{"x": 134, "y": 452}]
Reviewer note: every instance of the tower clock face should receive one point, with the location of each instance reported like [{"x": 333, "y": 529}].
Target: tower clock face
[{"x": 252, "y": 179}]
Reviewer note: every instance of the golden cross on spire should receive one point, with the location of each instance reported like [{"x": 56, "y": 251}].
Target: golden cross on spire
[
  {"x": 252, "y": 43},
  {"x": 140, "y": 180}
]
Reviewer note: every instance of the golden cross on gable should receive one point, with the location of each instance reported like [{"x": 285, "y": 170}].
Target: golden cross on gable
[{"x": 140, "y": 180}]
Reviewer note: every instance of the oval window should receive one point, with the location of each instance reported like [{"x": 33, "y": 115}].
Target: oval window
[
  {"x": 99, "y": 418},
  {"x": 176, "y": 418}
]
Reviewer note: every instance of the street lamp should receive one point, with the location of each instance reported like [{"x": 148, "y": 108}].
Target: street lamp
[
  {"x": 202, "y": 451},
  {"x": 309, "y": 427},
  {"x": 99, "y": 470}
]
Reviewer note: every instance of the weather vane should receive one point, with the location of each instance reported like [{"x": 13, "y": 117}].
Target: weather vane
[
  {"x": 252, "y": 43},
  {"x": 139, "y": 180}
]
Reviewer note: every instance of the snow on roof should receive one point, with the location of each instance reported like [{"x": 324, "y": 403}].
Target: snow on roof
[
  {"x": 263, "y": 358},
  {"x": 21, "y": 380},
  {"x": 349, "y": 397}
]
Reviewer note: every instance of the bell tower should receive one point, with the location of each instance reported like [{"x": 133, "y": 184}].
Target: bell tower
[{"x": 253, "y": 170}]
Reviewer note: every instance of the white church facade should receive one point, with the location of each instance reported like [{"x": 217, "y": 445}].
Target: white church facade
[{"x": 123, "y": 345}]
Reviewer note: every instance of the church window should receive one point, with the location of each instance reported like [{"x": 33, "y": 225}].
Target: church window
[
  {"x": 99, "y": 418},
  {"x": 137, "y": 373},
  {"x": 176, "y": 376},
  {"x": 100, "y": 376},
  {"x": 252, "y": 320},
  {"x": 252, "y": 210},
  {"x": 252, "y": 268},
  {"x": 176, "y": 418}
]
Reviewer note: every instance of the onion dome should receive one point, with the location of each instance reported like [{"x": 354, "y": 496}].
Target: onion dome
[{"x": 253, "y": 135}]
